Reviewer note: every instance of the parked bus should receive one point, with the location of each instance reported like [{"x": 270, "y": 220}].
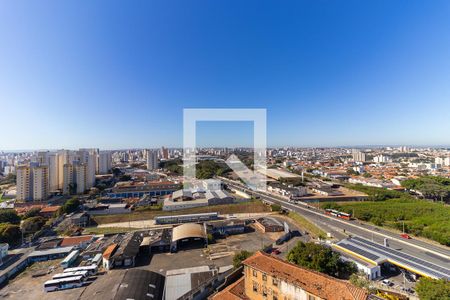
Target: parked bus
[
  {"x": 97, "y": 259},
  {"x": 63, "y": 283},
  {"x": 70, "y": 259},
  {"x": 83, "y": 274},
  {"x": 92, "y": 269}
]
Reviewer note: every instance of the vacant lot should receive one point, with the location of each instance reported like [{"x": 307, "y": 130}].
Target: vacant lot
[{"x": 249, "y": 207}]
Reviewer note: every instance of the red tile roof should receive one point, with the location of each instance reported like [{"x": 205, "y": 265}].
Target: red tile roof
[
  {"x": 234, "y": 291},
  {"x": 50, "y": 209},
  {"x": 109, "y": 251},
  {"x": 318, "y": 284},
  {"x": 75, "y": 240}
]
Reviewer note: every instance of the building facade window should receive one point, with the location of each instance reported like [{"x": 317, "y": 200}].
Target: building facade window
[
  {"x": 255, "y": 286},
  {"x": 264, "y": 277},
  {"x": 311, "y": 297},
  {"x": 255, "y": 274},
  {"x": 274, "y": 282}
]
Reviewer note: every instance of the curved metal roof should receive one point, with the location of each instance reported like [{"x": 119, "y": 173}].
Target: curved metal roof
[{"x": 188, "y": 230}]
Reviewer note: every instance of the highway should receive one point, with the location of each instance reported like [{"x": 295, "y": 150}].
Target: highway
[{"x": 428, "y": 251}]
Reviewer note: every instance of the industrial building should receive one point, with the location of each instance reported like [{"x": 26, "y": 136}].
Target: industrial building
[{"x": 188, "y": 235}]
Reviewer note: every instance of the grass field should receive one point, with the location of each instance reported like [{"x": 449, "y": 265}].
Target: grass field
[
  {"x": 306, "y": 224},
  {"x": 249, "y": 207},
  {"x": 421, "y": 218}
]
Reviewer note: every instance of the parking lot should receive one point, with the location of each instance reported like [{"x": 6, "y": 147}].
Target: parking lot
[{"x": 24, "y": 286}]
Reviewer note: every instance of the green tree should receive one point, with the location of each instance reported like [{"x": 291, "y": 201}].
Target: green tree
[
  {"x": 10, "y": 234},
  {"x": 320, "y": 258},
  {"x": 240, "y": 257},
  {"x": 9, "y": 216},
  {"x": 432, "y": 289},
  {"x": 33, "y": 224},
  {"x": 361, "y": 281},
  {"x": 70, "y": 206},
  {"x": 31, "y": 213}
]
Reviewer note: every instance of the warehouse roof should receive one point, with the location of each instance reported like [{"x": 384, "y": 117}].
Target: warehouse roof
[{"x": 188, "y": 230}]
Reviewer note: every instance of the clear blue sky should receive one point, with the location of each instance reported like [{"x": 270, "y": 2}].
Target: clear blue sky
[{"x": 116, "y": 74}]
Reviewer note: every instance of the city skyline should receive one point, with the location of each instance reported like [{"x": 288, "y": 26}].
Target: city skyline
[{"x": 344, "y": 74}]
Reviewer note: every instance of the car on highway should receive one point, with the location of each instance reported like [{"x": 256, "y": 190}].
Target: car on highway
[{"x": 405, "y": 236}]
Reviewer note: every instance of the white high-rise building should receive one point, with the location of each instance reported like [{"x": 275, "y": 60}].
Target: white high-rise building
[
  {"x": 104, "y": 162},
  {"x": 81, "y": 178},
  {"x": 439, "y": 161},
  {"x": 64, "y": 157},
  {"x": 381, "y": 159},
  {"x": 50, "y": 159},
  {"x": 40, "y": 183},
  {"x": 89, "y": 158},
  {"x": 447, "y": 161},
  {"x": 68, "y": 179},
  {"x": 152, "y": 160},
  {"x": 358, "y": 156}
]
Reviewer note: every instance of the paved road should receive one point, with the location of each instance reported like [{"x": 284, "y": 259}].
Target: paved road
[{"x": 437, "y": 254}]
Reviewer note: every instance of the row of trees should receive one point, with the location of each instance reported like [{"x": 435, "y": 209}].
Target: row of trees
[
  {"x": 12, "y": 225},
  {"x": 209, "y": 168},
  {"x": 431, "y": 187}
]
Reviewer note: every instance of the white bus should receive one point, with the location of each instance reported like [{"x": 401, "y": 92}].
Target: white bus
[
  {"x": 97, "y": 259},
  {"x": 92, "y": 269},
  {"x": 70, "y": 259},
  {"x": 83, "y": 274},
  {"x": 63, "y": 283}
]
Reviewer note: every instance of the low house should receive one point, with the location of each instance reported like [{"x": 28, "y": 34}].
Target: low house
[
  {"x": 125, "y": 254},
  {"x": 79, "y": 242},
  {"x": 48, "y": 254},
  {"x": 227, "y": 227},
  {"x": 80, "y": 219},
  {"x": 107, "y": 262},
  {"x": 100, "y": 245},
  {"x": 49, "y": 211},
  {"x": 269, "y": 225}
]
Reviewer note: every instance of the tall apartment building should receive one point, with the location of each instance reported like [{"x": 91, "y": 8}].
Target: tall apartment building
[
  {"x": 152, "y": 159},
  {"x": 442, "y": 161},
  {"x": 24, "y": 189},
  {"x": 381, "y": 159},
  {"x": 40, "y": 183},
  {"x": 68, "y": 179},
  {"x": 89, "y": 158},
  {"x": 358, "y": 156},
  {"x": 82, "y": 178},
  {"x": 75, "y": 178},
  {"x": 32, "y": 183},
  {"x": 267, "y": 277},
  {"x": 64, "y": 157},
  {"x": 164, "y": 153},
  {"x": 50, "y": 159},
  {"x": 104, "y": 162}
]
